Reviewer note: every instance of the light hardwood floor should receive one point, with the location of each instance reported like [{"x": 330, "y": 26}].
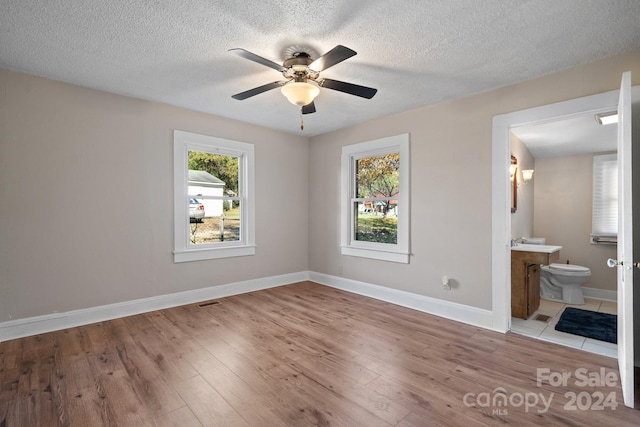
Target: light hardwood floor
[{"x": 298, "y": 355}]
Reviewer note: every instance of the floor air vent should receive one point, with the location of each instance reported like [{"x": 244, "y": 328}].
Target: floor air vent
[
  {"x": 208, "y": 303},
  {"x": 542, "y": 318}
]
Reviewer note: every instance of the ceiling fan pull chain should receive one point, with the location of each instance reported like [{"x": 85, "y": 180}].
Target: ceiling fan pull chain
[{"x": 301, "y": 120}]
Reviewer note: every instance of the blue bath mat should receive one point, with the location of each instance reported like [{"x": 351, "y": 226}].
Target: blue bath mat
[{"x": 590, "y": 324}]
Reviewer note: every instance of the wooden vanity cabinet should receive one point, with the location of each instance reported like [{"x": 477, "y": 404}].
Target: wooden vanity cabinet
[
  {"x": 525, "y": 281},
  {"x": 533, "y": 288}
]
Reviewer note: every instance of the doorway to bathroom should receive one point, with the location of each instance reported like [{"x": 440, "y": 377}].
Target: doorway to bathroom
[
  {"x": 501, "y": 217},
  {"x": 502, "y": 185},
  {"x": 555, "y": 203}
]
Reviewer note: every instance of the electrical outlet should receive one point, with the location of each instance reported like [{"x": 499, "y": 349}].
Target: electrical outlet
[{"x": 445, "y": 283}]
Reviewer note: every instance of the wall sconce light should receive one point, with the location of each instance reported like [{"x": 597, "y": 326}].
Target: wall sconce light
[
  {"x": 527, "y": 174},
  {"x": 512, "y": 171}
]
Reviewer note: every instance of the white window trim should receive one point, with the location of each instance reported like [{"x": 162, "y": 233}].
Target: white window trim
[
  {"x": 183, "y": 142},
  {"x": 398, "y": 252}
]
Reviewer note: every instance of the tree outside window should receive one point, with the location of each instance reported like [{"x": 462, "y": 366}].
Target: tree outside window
[{"x": 376, "y": 201}]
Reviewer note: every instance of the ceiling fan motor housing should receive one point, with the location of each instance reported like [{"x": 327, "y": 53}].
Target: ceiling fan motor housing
[
  {"x": 298, "y": 58},
  {"x": 297, "y": 67}
]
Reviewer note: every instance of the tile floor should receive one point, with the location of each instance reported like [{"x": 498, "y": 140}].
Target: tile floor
[{"x": 545, "y": 330}]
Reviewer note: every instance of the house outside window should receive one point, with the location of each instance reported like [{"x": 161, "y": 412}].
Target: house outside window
[
  {"x": 213, "y": 198},
  {"x": 375, "y": 199},
  {"x": 202, "y": 183}
]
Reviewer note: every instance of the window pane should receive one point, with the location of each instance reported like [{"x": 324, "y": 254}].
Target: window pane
[
  {"x": 378, "y": 176},
  {"x": 372, "y": 225},
  {"x": 212, "y": 174},
  {"x": 204, "y": 229},
  {"x": 605, "y": 195},
  {"x": 218, "y": 174}
]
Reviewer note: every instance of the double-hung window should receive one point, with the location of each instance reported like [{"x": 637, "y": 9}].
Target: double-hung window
[
  {"x": 213, "y": 197},
  {"x": 375, "y": 199},
  {"x": 604, "y": 220}
]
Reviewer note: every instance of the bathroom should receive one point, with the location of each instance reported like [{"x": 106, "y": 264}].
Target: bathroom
[{"x": 556, "y": 204}]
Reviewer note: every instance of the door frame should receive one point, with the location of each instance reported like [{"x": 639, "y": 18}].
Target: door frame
[{"x": 500, "y": 200}]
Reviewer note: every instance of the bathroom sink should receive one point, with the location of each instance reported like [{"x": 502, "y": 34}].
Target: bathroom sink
[{"x": 525, "y": 247}]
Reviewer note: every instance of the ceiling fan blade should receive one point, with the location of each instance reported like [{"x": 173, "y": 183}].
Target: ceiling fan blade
[
  {"x": 350, "y": 88},
  {"x": 258, "y": 90},
  {"x": 331, "y": 58},
  {"x": 309, "y": 108},
  {"x": 255, "y": 58}
]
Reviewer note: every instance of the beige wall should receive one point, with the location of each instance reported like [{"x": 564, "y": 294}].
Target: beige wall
[
  {"x": 451, "y": 180},
  {"x": 562, "y": 214},
  {"x": 86, "y": 193},
  {"x": 522, "y": 218},
  {"x": 86, "y": 199}
]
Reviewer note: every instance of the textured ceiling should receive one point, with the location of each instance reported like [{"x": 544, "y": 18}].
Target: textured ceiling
[
  {"x": 568, "y": 136},
  {"x": 415, "y": 53}
]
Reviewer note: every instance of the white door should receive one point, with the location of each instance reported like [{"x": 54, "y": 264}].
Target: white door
[{"x": 625, "y": 243}]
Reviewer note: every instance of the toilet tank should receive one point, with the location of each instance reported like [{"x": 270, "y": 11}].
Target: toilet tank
[{"x": 535, "y": 240}]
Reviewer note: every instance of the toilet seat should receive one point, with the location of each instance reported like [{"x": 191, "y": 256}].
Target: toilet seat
[{"x": 569, "y": 268}]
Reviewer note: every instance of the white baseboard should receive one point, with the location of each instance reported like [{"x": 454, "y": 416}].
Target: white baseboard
[
  {"x": 53, "y": 322},
  {"x": 450, "y": 310},
  {"x": 600, "y": 294},
  {"x": 462, "y": 313}
]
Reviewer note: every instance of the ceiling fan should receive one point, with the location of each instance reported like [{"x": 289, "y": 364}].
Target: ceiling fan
[{"x": 302, "y": 74}]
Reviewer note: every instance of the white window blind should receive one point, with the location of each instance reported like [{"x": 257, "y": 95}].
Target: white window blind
[{"x": 604, "y": 224}]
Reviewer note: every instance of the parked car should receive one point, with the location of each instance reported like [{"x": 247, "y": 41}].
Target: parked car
[{"x": 196, "y": 210}]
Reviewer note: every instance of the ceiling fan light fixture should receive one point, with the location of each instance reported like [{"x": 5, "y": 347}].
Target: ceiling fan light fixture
[{"x": 300, "y": 93}]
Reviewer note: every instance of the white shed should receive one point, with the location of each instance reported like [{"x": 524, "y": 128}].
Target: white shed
[{"x": 202, "y": 183}]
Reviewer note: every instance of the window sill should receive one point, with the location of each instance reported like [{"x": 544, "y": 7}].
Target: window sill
[
  {"x": 212, "y": 253},
  {"x": 398, "y": 257}
]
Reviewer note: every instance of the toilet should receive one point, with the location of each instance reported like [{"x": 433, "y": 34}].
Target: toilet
[{"x": 561, "y": 282}]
